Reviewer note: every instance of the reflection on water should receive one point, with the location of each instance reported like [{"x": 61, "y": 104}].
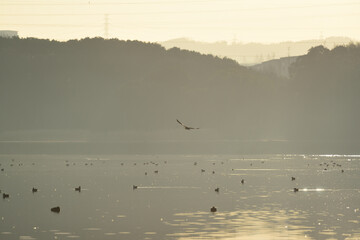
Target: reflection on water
[
  {"x": 26, "y": 238},
  {"x": 259, "y": 224},
  {"x": 167, "y": 187},
  {"x": 174, "y": 195}
]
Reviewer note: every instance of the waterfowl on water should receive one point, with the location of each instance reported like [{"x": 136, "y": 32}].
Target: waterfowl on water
[
  {"x": 34, "y": 190},
  {"x": 217, "y": 189},
  {"x": 213, "y": 209},
  {"x": 78, "y": 189},
  {"x": 55, "y": 209}
]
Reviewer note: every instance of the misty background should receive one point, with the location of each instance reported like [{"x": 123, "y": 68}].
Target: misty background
[
  {"x": 250, "y": 53},
  {"x": 125, "y": 96}
]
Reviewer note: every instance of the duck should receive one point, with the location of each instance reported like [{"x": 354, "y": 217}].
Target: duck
[
  {"x": 34, "y": 190},
  {"x": 293, "y": 178},
  {"x": 55, "y": 209},
  {"x": 213, "y": 209},
  {"x": 296, "y": 189},
  {"x": 217, "y": 189},
  {"x": 5, "y": 195},
  {"x": 242, "y": 181},
  {"x": 135, "y": 187},
  {"x": 78, "y": 189}
]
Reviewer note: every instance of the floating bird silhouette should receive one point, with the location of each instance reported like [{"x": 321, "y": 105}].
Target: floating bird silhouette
[
  {"x": 55, "y": 209},
  {"x": 186, "y": 127}
]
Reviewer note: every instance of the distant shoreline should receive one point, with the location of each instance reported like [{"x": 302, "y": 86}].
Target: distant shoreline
[{"x": 181, "y": 147}]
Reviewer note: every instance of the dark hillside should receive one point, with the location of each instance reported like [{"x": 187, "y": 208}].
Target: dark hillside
[
  {"x": 326, "y": 87},
  {"x": 133, "y": 91},
  {"x": 100, "y": 84}
]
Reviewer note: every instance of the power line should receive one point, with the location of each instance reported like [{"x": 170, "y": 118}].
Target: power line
[
  {"x": 172, "y": 26},
  {"x": 107, "y": 3},
  {"x": 151, "y": 13},
  {"x": 172, "y": 2},
  {"x": 52, "y": 25},
  {"x": 49, "y": 14}
]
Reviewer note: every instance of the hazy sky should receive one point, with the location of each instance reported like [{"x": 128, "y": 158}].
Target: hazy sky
[{"x": 204, "y": 20}]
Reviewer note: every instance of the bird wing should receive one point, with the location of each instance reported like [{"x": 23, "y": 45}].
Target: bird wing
[
  {"x": 186, "y": 127},
  {"x": 180, "y": 123}
]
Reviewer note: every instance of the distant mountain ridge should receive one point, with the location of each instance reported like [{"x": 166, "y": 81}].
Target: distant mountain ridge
[
  {"x": 279, "y": 67},
  {"x": 255, "y": 53}
]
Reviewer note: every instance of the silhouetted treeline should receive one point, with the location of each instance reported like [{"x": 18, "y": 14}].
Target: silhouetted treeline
[
  {"x": 325, "y": 85},
  {"x": 141, "y": 88},
  {"x": 115, "y": 85}
]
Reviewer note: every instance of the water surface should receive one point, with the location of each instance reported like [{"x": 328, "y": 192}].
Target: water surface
[{"x": 174, "y": 195}]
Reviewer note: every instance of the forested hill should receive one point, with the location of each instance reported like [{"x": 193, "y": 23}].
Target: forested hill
[
  {"x": 132, "y": 90},
  {"x": 99, "y": 84},
  {"x": 325, "y": 85}
]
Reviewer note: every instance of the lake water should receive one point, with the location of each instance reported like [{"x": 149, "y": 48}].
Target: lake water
[{"x": 174, "y": 196}]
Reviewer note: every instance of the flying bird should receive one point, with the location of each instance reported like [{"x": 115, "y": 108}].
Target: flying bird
[{"x": 186, "y": 127}]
